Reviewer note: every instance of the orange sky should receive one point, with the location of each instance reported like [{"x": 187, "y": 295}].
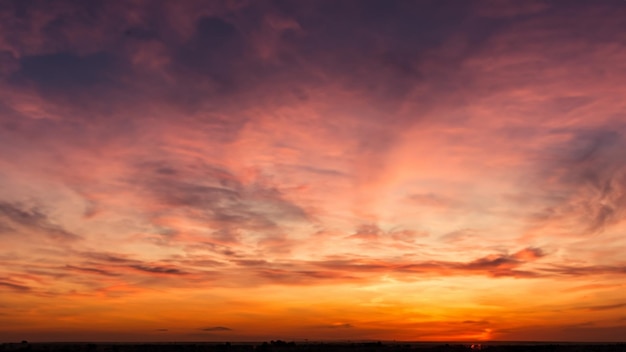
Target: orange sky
[{"x": 322, "y": 170}]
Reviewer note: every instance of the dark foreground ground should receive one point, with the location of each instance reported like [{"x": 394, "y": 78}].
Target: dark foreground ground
[{"x": 281, "y": 346}]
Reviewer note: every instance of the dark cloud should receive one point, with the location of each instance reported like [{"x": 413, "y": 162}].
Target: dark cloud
[
  {"x": 217, "y": 64},
  {"x": 67, "y": 70},
  {"x": 247, "y": 271},
  {"x": 585, "y": 270},
  {"x": 76, "y": 57},
  {"x": 107, "y": 257},
  {"x": 218, "y": 198},
  {"x": 476, "y": 322},
  {"x": 371, "y": 232},
  {"x": 298, "y": 277},
  {"x": 196, "y": 195},
  {"x": 510, "y": 8},
  {"x": 112, "y": 265},
  {"x": 14, "y": 286},
  {"x": 354, "y": 265},
  {"x": 213, "y": 52},
  {"x": 375, "y": 49},
  {"x": 35, "y": 220},
  {"x": 359, "y": 269},
  {"x": 219, "y": 249},
  {"x": 337, "y": 326},
  {"x": 529, "y": 254},
  {"x": 606, "y": 307},
  {"x": 315, "y": 170},
  {"x": 592, "y": 171},
  {"x": 206, "y": 263},
  {"x": 493, "y": 266},
  {"x": 217, "y": 328},
  {"x": 211, "y": 67},
  {"x": 491, "y": 263},
  {"x": 500, "y": 265},
  {"x": 504, "y": 264},
  {"x": 141, "y": 33},
  {"x": 91, "y": 270},
  {"x": 155, "y": 269}
]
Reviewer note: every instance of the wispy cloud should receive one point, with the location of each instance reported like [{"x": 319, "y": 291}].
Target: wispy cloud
[
  {"x": 33, "y": 220},
  {"x": 158, "y": 269},
  {"x": 217, "y": 328},
  {"x": 607, "y": 306},
  {"x": 14, "y": 286}
]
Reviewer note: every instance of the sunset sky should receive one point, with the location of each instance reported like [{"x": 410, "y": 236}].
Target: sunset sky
[{"x": 246, "y": 170}]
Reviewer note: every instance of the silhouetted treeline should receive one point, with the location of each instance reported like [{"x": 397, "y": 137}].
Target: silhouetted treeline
[{"x": 283, "y": 346}]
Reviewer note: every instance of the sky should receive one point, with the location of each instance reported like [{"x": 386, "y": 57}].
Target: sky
[{"x": 426, "y": 170}]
